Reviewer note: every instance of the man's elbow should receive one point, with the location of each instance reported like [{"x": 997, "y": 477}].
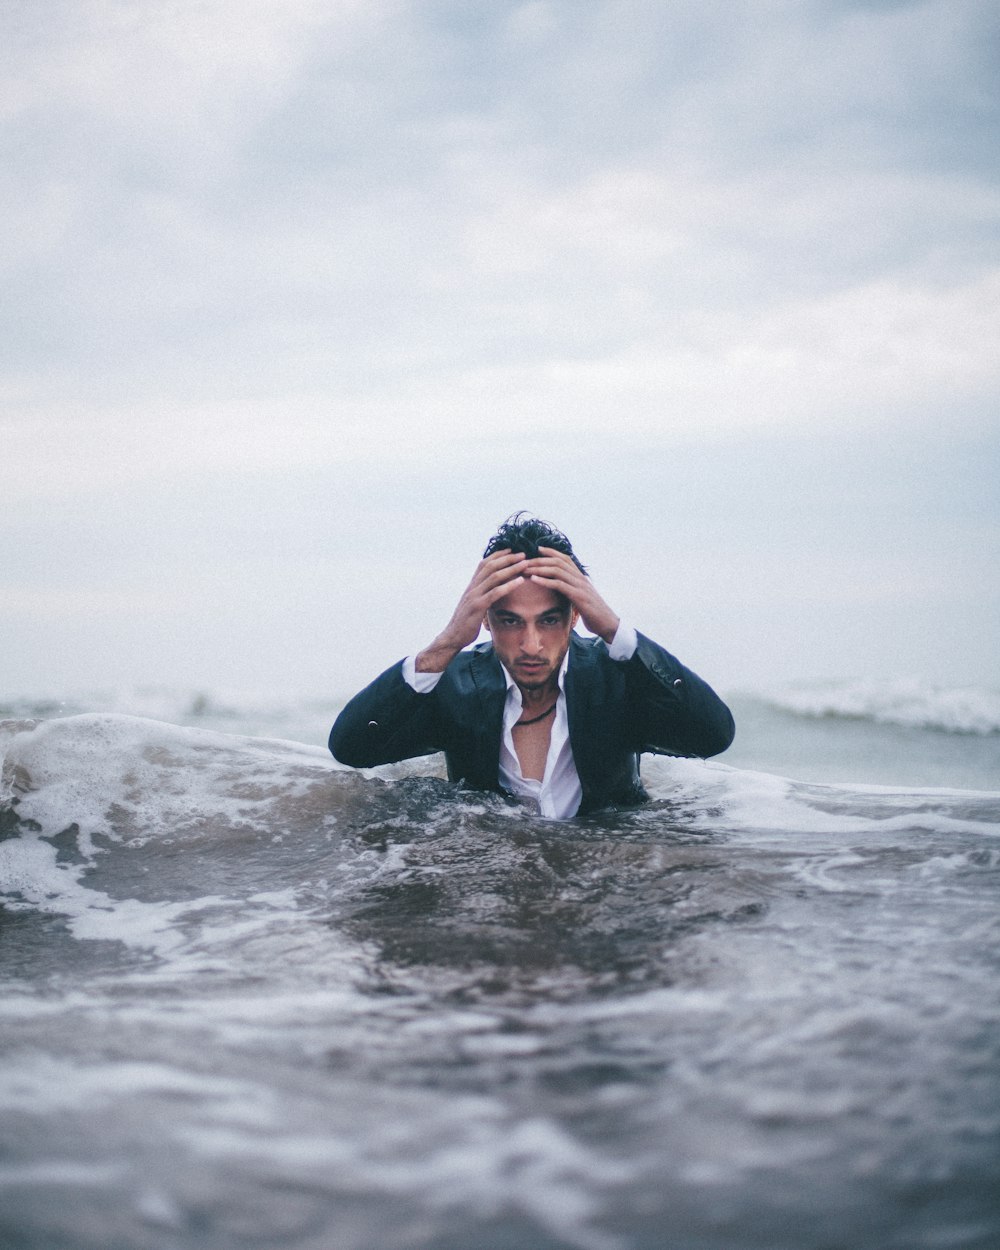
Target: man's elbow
[
  {"x": 705, "y": 736},
  {"x": 346, "y": 749},
  {"x": 718, "y": 737}
]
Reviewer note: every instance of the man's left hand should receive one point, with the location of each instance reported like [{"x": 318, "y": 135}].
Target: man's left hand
[{"x": 557, "y": 571}]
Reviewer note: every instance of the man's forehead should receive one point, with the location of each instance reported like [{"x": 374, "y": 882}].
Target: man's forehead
[{"x": 531, "y": 599}]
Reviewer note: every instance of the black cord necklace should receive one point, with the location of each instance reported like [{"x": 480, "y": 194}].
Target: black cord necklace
[{"x": 523, "y": 724}]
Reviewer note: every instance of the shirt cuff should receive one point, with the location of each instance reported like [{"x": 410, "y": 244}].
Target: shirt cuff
[
  {"x": 422, "y": 683},
  {"x": 624, "y": 643}
]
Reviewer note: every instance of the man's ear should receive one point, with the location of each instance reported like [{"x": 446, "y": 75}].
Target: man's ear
[
  {"x": 574, "y": 616},
  {"x": 486, "y": 622}
]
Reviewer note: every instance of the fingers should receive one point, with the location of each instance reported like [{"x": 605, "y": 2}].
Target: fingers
[
  {"x": 495, "y": 576},
  {"x": 503, "y": 564},
  {"x": 499, "y": 592},
  {"x": 498, "y": 570},
  {"x": 499, "y": 562},
  {"x": 556, "y": 569},
  {"x": 558, "y": 561}
]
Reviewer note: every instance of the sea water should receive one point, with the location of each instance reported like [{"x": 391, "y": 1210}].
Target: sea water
[{"x": 252, "y": 999}]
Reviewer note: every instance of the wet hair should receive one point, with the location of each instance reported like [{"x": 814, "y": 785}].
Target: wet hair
[{"x": 521, "y": 532}]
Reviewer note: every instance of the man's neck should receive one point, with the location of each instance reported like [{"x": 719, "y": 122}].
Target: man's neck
[{"x": 539, "y": 696}]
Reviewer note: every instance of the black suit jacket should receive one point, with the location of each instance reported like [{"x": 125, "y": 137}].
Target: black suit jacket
[{"x": 616, "y": 711}]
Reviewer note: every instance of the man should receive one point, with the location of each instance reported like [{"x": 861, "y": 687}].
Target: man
[{"x": 554, "y": 719}]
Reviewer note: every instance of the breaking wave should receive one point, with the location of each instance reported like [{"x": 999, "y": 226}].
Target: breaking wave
[{"x": 911, "y": 704}]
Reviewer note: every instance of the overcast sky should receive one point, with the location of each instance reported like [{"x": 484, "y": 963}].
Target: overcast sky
[{"x": 302, "y": 297}]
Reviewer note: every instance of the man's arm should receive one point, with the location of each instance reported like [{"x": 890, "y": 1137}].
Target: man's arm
[
  {"x": 386, "y": 722},
  {"x": 672, "y": 710},
  {"x": 390, "y": 720},
  {"x": 495, "y": 576}
]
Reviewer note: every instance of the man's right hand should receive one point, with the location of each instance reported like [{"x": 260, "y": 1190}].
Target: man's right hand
[{"x": 495, "y": 576}]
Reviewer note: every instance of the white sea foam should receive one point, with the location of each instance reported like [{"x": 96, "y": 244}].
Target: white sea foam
[
  {"x": 123, "y": 776},
  {"x": 37, "y": 1082},
  {"x": 962, "y": 710},
  {"x": 98, "y": 779},
  {"x": 744, "y": 800},
  {"x": 771, "y": 727},
  {"x": 83, "y": 785},
  {"x": 126, "y": 779},
  {"x": 33, "y": 879},
  {"x": 246, "y": 712}
]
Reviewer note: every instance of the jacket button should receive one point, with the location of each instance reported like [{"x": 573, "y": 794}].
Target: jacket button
[
  {"x": 373, "y": 724},
  {"x": 678, "y": 682}
]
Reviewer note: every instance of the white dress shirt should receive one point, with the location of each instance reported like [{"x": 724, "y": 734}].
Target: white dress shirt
[{"x": 559, "y": 792}]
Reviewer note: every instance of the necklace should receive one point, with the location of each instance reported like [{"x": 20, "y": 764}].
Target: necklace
[{"x": 522, "y": 724}]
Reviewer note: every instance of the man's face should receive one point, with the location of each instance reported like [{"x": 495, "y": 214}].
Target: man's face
[{"x": 531, "y": 628}]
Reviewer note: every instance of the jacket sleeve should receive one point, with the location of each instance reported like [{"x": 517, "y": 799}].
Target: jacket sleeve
[
  {"x": 674, "y": 712},
  {"x": 388, "y": 721}
]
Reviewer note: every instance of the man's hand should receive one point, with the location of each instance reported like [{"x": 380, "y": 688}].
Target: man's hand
[
  {"x": 494, "y": 577},
  {"x": 556, "y": 571}
]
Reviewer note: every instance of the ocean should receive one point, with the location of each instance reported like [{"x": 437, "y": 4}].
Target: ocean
[{"x": 252, "y": 999}]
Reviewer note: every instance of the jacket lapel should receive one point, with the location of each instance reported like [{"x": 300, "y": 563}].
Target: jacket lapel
[
  {"x": 578, "y": 692},
  {"x": 491, "y": 691}
]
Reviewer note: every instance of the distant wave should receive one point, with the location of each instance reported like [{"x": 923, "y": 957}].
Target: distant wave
[
  {"x": 254, "y": 713},
  {"x": 959, "y": 710},
  {"x": 194, "y": 707},
  {"x": 956, "y": 710}
]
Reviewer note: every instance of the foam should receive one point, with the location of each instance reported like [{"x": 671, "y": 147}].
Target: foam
[
  {"x": 123, "y": 776},
  {"x": 913, "y": 704},
  {"x": 104, "y": 779},
  {"x": 41, "y": 1083},
  {"x": 722, "y": 797}
]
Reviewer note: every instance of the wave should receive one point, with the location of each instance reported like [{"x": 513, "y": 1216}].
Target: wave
[
  {"x": 910, "y": 704},
  {"x": 73, "y": 787},
  {"x": 302, "y": 718},
  {"x": 251, "y": 994}
]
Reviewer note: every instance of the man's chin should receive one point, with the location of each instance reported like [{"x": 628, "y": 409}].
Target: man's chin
[{"x": 534, "y": 678}]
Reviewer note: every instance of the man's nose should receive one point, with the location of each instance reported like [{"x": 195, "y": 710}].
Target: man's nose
[{"x": 532, "y": 639}]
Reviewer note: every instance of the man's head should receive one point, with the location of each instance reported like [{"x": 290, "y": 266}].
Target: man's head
[
  {"x": 531, "y": 629},
  {"x": 523, "y": 533},
  {"x": 531, "y": 626}
]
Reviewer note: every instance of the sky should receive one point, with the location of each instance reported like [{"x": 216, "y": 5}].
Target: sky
[{"x": 303, "y": 297}]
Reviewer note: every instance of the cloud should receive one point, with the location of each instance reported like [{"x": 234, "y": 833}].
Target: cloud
[
  {"x": 877, "y": 354},
  {"x": 273, "y": 270},
  {"x": 213, "y": 197},
  {"x": 190, "y": 173}
]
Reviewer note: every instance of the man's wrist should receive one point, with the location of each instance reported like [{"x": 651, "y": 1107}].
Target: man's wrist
[
  {"x": 610, "y": 631},
  {"x": 435, "y": 658},
  {"x": 422, "y": 683}
]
